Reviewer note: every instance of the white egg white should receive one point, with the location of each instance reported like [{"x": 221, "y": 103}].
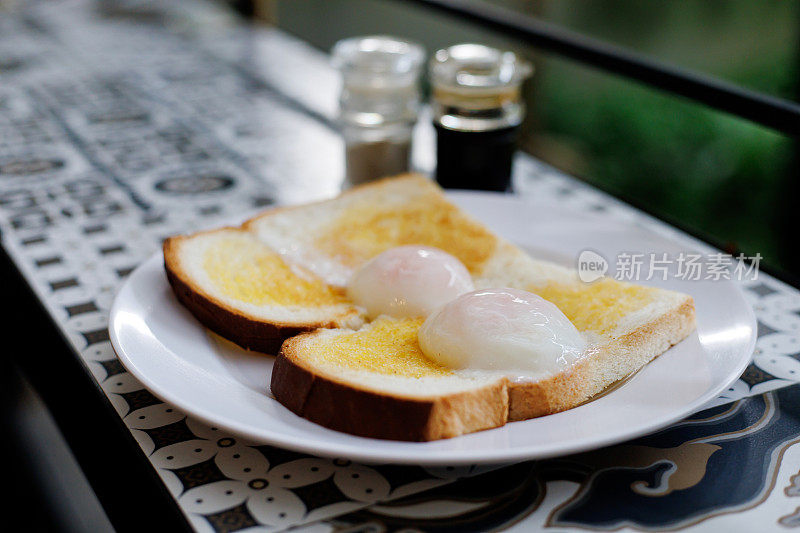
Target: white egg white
[
  {"x": 408, "y": 281},
  {"x": 508, "y": 331}
]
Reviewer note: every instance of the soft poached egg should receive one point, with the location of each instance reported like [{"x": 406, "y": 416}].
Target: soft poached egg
[
  {"x": 509, "y": 331},
  {"x": 408, "y": 281}
]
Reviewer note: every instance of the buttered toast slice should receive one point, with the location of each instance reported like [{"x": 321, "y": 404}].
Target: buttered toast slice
[
  {"x": 242, "y": 289},
  {"x": 375, "y": 382},
  {"x": 334, "y": 238}
]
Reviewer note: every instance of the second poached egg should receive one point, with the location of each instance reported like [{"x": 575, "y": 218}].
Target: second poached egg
[{"x": 510, "y": 331}]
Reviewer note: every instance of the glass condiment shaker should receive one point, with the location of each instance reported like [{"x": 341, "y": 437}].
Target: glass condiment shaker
[
  {"x": 477, "y": 112},
  {"x": 379, "y": 104}
]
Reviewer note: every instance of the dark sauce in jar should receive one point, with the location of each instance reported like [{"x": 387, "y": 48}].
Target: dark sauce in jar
[
  {"x": 477, "y": 111},
  {"x": 479, "y": 160}
]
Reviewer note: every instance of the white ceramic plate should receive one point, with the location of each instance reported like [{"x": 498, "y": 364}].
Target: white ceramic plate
[{"x": 161, "y": 344}]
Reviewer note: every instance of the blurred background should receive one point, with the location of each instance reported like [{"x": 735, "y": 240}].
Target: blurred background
[{"x": 726, "y": 179}]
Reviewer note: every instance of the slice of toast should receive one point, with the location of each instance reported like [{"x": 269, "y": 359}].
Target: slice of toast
[
  {"x": 318, "y": 246},
  {"x": 240, "y": 288},
  {"x": 330, "y": 376},
  {"x": 334, "y": 238}
]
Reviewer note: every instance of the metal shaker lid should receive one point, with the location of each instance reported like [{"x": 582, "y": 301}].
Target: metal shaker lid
[{"x": 477, "y": 76}]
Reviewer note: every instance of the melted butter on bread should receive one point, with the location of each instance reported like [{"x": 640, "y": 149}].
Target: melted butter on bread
[
  {"x": 597, "y": 306},
  {"x": 388, "y": 346},
  {"x": 362, "y": 232},
  {"x": 245, "y": 271}
]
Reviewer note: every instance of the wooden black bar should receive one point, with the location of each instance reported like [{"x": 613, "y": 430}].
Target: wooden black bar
[{"x": 778, "y": 114}]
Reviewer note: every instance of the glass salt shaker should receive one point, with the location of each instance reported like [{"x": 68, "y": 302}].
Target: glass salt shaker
[
  {"x": 477, "y": 112},
  {"x": 379, "y": 104}
]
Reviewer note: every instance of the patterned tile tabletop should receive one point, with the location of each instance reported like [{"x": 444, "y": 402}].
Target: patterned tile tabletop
[{"x": 116, "y": 132}]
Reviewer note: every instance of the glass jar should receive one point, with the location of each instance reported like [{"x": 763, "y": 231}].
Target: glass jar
[
  {"x": 477, "y": 112},
  {"x": 379, "y": 103}
]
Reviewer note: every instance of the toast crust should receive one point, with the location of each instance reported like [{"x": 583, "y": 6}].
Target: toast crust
[
  {"x": 249, "y": 333},
  {"x": 359, "y": 411}
]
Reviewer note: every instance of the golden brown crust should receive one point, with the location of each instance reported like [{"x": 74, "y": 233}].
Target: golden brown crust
[
  {"x": 608, "y": 365},
  {"x": 346, "y": 407},
  {"x": 247, "y": 332}
]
